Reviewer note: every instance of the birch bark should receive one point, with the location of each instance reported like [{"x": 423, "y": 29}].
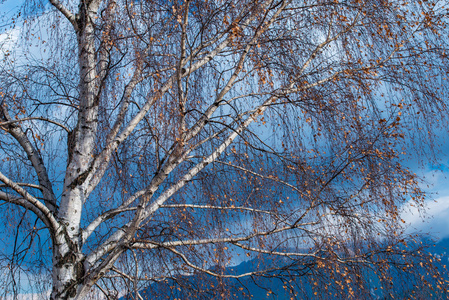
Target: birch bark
[{"x": 68, "y": 260}]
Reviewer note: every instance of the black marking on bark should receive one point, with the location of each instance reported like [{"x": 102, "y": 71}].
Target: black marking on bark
[
  {"x": 68, "y": 259},
  {"x": 80, "y": 17},
  {"x": 81, "y": 178},
  {"x": 71, "y": 291},
  {"x": 71, "y": 144},
  {"x": 80, "y": 270}
]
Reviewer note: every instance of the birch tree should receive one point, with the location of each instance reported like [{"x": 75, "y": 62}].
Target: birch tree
[{"x": 159, "y": 138}]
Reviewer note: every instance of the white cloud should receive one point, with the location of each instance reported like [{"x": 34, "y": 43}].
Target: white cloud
[
  {"x": 40, "y": 296},
  {"x": 434, "y": 219}
]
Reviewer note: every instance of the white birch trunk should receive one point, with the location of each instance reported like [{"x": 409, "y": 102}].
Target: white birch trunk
[{"x": 68, "y": 267}]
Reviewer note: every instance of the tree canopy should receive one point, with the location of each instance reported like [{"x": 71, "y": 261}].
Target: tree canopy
[{"x": 145, "y": 140}]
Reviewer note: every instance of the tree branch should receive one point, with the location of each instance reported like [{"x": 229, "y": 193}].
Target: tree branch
[
  {"x": 29, "y": 202},
  {"x": 67, "y": 13},
  {"x": 152, "y": 244},
  {"x": 193, "y": 206},
  {"x": 35, "y": 118},
  {"x": 34, "y": 156}
]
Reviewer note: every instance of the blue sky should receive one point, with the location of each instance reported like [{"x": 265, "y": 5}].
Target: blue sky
[
  {"x": 435, "y": 173},
  {"x": 8, "y": 9}
]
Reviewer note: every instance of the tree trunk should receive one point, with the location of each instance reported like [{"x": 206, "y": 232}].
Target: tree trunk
[
  {"x": 69, "y": 280},
  {"x": 68, "y": 269}
]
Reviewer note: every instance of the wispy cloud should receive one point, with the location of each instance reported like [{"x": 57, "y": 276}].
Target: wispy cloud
[{"x": 434, "y": 220}]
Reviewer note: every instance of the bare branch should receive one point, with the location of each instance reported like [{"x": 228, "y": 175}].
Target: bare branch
[
  {"x": 28, "y": 201},
  {"x": 102, "y": 218},
  {"x": 35, "y": 158},
  {"x": 259, "y": 175},
  {"x": 35, "y": 118},
  {"x": 152, "y": 244},
  {"x": 206, "y": 271},
  {"x": 240, "y": 208},
  {"x": 67, "y": 13},
  {"x": 34, "y": 186}
]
